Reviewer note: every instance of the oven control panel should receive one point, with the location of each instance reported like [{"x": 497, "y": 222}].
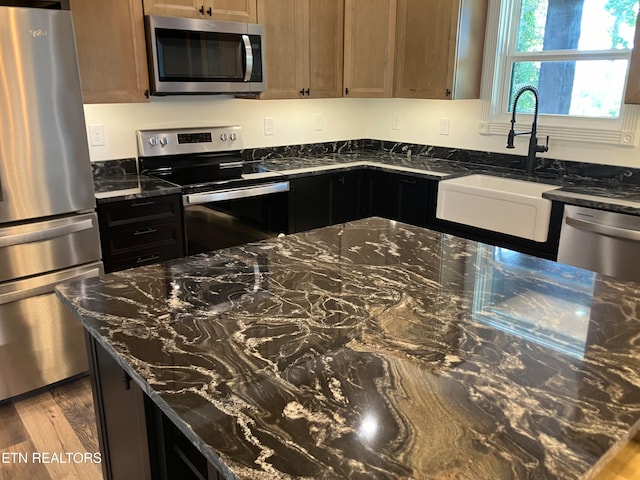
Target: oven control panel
[{"x": 178, "y": 141}]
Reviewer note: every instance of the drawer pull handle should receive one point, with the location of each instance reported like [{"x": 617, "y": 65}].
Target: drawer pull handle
[
  {"x": 149, "y": 258},
  {"x": 144, "y": 232},
  {"x": 142, "y": 204}
]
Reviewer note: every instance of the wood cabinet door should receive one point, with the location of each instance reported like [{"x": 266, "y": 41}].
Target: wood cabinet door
[
  {"x": 175, "y": 8},
  {"x": 234, "y": 10},
  {"x": 112, "y": 55},
  {"x": 369, "y": 47},
  {"x": 324, "y": 62},
  {"x": 423, "y": 57},
  {"x": 284, "y": 44}
]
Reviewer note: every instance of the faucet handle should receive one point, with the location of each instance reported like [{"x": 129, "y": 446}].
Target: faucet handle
[{"x": 543, "y": 148}]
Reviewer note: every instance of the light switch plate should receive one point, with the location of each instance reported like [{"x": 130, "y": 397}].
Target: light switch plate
[
  {"x": 395, "y": 121},
  {"x": 444, "y": 126},
  {"x": 268, "y": 126}
]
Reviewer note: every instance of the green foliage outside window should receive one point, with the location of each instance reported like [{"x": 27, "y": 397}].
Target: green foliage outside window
[{"x": 535, "y": 31}]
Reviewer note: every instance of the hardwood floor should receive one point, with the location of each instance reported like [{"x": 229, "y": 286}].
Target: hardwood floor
[
  {"x": 51, "y": 435},
  {"x": 625, "y": 465}
]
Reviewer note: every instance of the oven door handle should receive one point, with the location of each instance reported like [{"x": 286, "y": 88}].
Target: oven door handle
[
  {"x": 233, "y": 193},
  {"x": 248, "y": 56}
]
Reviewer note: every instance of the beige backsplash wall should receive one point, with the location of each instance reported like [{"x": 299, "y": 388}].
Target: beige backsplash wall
[
  {"x": 294, "y": 123},
  {"x": 293, "y": 120}
]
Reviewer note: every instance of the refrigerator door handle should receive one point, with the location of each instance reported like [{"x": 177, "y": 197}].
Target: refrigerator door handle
[
  {"x": 47, "y": 287},
  {"x": 47, "y": 234}
]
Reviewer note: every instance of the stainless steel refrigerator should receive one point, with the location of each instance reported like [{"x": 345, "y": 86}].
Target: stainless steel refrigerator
[{"x": 48, "y": 225}]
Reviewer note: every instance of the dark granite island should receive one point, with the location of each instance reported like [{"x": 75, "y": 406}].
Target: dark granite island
[{"x": 375, "y": 350}]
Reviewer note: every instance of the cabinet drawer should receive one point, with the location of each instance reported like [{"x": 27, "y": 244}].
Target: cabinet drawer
[
  {"x": 141, "y": 211},
  {"x": 143, "y": 256},
  {"x": 133, "y": 239}
]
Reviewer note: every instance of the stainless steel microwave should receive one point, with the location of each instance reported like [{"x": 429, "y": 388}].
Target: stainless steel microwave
[{"x": 193, "y": 56}]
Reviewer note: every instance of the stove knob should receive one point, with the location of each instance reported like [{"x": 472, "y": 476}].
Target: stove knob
[
  {"x": 153, "y": 141},
  {"x": 164, "y": 140},
  {"x": 223, "y": 137},
  {"x": 233, "y": 137}
]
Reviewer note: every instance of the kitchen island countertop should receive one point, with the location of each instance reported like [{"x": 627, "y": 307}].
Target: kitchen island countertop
[{"x": 375, "y": 349}]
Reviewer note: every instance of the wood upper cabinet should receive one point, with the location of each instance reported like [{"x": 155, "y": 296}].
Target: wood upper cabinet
[
  {"x": 303, "y": 47},
  {"x": 439, "y": 48},
  {"x": 111, "y": 50},
  {"x": 369, "y": 47},
  {"x": 226, "y": 10},
  {"x": 632, "y": 93}
]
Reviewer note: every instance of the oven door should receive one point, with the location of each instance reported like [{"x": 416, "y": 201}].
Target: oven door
[{"x": 227, "y": 218}]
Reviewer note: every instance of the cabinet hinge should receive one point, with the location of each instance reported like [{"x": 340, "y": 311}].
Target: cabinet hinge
[{"x": 447, "y": 92}]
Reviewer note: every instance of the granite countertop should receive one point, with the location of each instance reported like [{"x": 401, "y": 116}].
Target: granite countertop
[
  {"x": 432, "y": 168},
  {"x": 117, "y": 180},
  {"x": 621, "y": 198},
  {"x": 128, "y": 187},
  {"x": 375, "y": 349},
  {"x": 123, "y": 182}
]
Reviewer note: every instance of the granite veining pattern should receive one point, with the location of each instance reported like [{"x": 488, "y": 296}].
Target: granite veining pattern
[
  {"x": 116, "y": 180},
  {"x": 380, "y": 350},
  {"x": 604, "y": 187}
]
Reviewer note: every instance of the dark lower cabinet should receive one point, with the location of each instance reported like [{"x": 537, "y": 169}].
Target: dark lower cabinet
[
  {"x": 310, "y": 201},
  {"x": 398, "y": 197},
  {"x": 140, "y": 231},
  {"x": 121, "y": 418},
  {"x": 326, "y": 199},
  {"x": 137, "y": 440},
  {"x": 349, "y": 196}
]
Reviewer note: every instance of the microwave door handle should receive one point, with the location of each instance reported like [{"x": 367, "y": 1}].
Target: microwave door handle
[{"x": 248, "y": 55}]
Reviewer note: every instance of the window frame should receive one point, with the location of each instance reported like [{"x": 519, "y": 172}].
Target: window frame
[{"x": 502, "y": 25}]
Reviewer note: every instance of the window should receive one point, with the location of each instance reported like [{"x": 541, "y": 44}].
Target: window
[{"x": 576, "y": 52}]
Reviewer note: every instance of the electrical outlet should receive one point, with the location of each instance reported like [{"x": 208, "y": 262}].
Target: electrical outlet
[
  {"x": 395, "y": 121},
  {"x": 444, "y": 126},
  {"x": 96, "y": 135},
  {"x": 268, "y": 126},
  {"x": 318, "y": 122}
]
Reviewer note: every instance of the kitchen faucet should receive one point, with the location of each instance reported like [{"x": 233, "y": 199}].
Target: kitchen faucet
[{"x": 533, "y": 140}]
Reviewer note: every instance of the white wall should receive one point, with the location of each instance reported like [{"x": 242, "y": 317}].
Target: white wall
[
  {"x": 420, "y": 123},
  {"x": 293, "y": 120},
  {"x": 294, "y": 123}
]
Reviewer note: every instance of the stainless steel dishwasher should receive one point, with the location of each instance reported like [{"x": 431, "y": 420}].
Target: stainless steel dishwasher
[{"x": 605, "y": 242}]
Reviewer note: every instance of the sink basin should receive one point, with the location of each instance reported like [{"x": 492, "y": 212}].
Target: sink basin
[{"x": 504, "y": 205}]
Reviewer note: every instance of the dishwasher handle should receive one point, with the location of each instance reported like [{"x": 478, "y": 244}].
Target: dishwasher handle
[{"x": 601, "y": 229}]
